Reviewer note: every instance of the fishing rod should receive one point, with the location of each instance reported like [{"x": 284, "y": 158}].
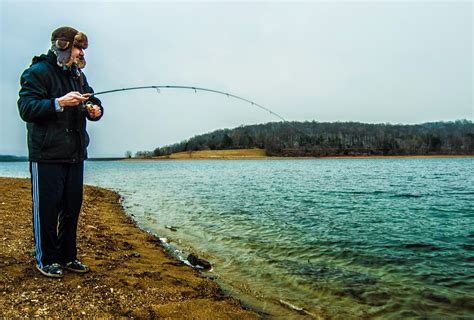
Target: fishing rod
[{"x": 195, "y": 90}]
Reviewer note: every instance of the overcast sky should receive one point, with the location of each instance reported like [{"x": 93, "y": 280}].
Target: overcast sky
[{"x": 373, "y": 61}]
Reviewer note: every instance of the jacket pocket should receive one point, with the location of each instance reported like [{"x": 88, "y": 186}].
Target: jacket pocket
[{"x": 58, "y": 144}]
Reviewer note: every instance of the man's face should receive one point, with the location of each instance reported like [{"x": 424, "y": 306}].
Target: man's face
[{"x": 78, "y": 57}]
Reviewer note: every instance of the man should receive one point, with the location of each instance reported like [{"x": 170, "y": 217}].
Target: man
[{"x": 52, "y": 102}]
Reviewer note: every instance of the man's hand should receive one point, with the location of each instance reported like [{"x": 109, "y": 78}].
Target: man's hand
[
  {"x": 72, "y": 99},
  {"x": 94, "y": 112}
]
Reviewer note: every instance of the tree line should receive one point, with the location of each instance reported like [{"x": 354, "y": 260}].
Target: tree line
[{"x": 317, "y": 139}]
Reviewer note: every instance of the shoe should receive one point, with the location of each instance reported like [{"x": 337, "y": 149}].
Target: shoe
[
  {"x": 51, "y": 270},
  {"x": 76, "y": 266}
]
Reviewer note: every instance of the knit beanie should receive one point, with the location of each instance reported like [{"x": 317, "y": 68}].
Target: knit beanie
[{"x": 63, "y": 40}]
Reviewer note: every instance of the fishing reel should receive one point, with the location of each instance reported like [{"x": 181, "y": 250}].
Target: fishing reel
[{"x": 88, "y": 106}]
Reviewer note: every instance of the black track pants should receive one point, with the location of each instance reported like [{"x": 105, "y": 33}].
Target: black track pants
[{"x": 57, "y": 199}]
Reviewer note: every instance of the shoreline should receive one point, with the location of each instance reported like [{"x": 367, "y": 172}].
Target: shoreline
[
  {"x": 259, "y": 154},
  {"x": 301, "y": 158},
  {"x": 132, "y": 274}
]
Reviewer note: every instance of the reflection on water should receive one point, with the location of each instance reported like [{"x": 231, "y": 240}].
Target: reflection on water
[{"x": 388, "y": 238}]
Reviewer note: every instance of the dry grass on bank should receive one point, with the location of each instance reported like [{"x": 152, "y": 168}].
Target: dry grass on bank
[{"x": 218, "y": 154}]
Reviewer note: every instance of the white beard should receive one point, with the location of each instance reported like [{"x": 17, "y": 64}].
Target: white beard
[{"x": 64, "y": 58}]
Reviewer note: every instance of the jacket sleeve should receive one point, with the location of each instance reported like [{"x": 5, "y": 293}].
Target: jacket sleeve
[
  {"x": 93, "y": 99},
  {"x": 35, "y": 103}
]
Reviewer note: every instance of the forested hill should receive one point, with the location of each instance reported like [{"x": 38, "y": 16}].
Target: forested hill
[{"x": 336, "y": 139}]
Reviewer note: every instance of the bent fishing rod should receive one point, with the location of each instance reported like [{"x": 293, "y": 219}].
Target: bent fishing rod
[
  {"x": 196, "y": 89},
  {"x": 157, "y": 88}
]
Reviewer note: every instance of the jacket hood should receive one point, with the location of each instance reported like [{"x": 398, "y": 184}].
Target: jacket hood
[
  {"x": 49, "y": 57},
  {"x": 52, "y": 59}
]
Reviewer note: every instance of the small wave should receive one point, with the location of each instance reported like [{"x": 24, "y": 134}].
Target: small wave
[
  {"x": 468, "y": 247},
  {"x": 453, "y": 283},
  {"x": 464, "y": 302},
  {"x": 420, "y": 246},
  {"x": 463, "y": 193},
  {"x": 361, "y": 192},
  {"x": 427, "y": 294},
  {"x": 407, "y": 195},
  {"x": 324, "y": 273}
]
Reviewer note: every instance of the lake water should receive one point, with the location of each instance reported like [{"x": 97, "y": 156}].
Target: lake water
[{"x": 346, "y": 238}]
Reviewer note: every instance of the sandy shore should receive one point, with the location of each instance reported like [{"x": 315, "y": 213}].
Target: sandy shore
[{"x": 132, "y": 275}]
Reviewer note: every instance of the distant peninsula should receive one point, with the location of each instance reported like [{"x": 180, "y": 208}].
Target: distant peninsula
[{"x": 325, "y": 139}]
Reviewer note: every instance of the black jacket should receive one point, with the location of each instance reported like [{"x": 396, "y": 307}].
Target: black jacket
[{"x": 53, "y": 136}]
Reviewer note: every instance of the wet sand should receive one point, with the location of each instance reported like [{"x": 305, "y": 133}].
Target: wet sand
[{"x": 132, "y": 275}]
